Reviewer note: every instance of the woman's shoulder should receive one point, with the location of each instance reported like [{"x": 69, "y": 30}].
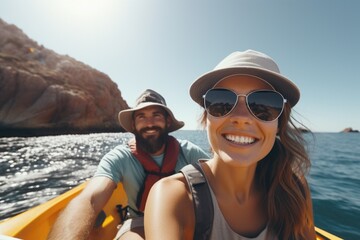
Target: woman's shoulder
[
  {"x": 172, "y": 193},
  {"x": 170, "y": 204},
  {"x": 177, "y": 181},
  {"x": 173, "y": 190}
]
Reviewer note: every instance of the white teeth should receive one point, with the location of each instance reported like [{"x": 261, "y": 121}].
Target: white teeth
[
  {"x": 150, "y": 131},
  {"x": 240, "y": 139}
]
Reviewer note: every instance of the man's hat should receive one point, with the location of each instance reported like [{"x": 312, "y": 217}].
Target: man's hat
[{"x": 147, "y": 99}]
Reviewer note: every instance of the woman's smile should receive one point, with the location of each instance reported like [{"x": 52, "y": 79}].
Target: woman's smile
[{"x": 238, "y": 139}]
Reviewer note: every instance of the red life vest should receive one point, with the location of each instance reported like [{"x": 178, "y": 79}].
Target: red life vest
[{"x": 152, "y": 170}]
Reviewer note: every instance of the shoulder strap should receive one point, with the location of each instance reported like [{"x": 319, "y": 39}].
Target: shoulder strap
[
  {"x": 203, "y": 206},
  {"x": 152, "y": 170}
]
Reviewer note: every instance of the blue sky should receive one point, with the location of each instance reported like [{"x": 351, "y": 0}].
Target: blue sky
[{"x": 165, "y": 45}]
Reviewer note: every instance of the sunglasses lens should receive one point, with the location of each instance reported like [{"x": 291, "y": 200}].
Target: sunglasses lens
[
  {"x": 219, "y": 102},
  {"x": 265, "y": 105}
]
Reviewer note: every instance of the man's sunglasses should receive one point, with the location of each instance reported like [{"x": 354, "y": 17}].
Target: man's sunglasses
[{"x": 265, "y": 105}]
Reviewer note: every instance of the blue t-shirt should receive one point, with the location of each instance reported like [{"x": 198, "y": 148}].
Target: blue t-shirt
[{"x": 121, "y": 166}]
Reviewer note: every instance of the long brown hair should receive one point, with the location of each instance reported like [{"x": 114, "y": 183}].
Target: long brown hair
[{"x": 282, "y": 175}]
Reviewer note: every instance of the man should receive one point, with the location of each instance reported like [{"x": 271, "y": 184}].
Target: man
[{"x": 151, "y": 155}]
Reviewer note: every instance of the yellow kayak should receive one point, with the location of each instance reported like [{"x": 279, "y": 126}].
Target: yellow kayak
[{"x": 36, "y": 222}]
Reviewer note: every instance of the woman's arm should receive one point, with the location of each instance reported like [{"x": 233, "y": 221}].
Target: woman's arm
[{"x": 169, "y": 211}]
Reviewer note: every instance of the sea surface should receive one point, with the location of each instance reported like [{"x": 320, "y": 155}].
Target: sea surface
[{"x": 36, "y": 169}]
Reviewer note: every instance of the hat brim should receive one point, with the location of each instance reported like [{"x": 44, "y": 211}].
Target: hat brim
[
  {"x": 279, "y": 82},
  {"x": 126, "y": 117}
]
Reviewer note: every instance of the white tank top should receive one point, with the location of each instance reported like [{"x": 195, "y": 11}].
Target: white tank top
[{"x": 222, "y": 230}]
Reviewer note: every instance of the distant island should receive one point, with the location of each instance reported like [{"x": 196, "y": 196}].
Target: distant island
[
  {"x": 350, "y": 130},
  {"x": 345, "y": 130}
]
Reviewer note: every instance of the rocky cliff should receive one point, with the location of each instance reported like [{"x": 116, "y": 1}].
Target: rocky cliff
[{"x": 42, "y": 92}]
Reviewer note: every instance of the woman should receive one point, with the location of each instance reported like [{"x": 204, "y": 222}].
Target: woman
[{"x": 257, "y": 172}]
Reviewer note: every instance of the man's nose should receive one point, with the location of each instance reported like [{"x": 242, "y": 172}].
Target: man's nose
[{"x": 149, "y": 121}]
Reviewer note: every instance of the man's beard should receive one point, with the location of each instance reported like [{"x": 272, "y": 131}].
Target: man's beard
[{"x": 151, "y": 144}]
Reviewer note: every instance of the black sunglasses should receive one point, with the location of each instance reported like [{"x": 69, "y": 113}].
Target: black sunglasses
[{"x": 265, "y": 105}]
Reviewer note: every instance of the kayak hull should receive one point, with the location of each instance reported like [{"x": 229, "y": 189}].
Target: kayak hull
[{"x": 36, "y": 223}]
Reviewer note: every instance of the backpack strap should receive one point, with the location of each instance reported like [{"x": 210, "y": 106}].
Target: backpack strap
[
  {"x": 203, "y": 206},
  {"x": 152, "y": 170}
]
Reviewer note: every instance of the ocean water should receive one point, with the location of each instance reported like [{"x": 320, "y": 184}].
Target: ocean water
[{"x": 36, "y": 169}]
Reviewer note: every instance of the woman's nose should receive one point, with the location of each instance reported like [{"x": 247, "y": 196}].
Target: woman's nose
[{"x": 240, "y": 111}]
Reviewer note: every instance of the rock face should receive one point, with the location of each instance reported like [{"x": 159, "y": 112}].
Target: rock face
[{"x": 42, "y": 92}]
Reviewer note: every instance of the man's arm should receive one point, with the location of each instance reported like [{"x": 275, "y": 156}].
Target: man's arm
[{"x": 77, "y": 219}]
